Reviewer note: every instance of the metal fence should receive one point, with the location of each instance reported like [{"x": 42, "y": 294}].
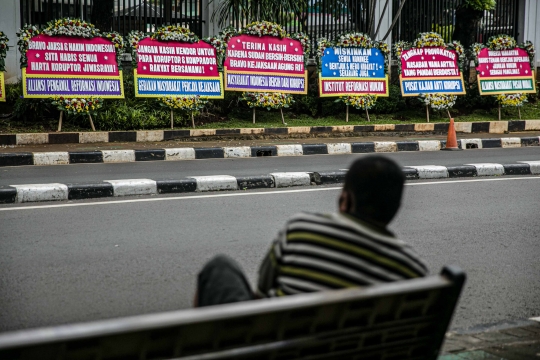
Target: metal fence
[
  {"x": 118, "y": 15},
  {"x": 316, "y": 18},
  {"x": 439, "y": 15}
]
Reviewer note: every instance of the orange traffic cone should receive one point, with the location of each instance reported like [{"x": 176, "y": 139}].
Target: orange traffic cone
[{"x": 451, "y": 140}]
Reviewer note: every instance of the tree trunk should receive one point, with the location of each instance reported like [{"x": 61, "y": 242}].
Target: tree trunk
[
  {"x": 467, "y": 22},
  {"x": 102, "y": 11}
]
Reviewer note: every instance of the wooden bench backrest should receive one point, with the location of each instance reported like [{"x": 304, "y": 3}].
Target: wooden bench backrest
[{"x": 401, "y": 320}]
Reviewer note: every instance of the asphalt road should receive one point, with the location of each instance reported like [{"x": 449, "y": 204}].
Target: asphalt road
[
  {"x": 162, "y": 170},
  {"x": 87, "y": 260}
]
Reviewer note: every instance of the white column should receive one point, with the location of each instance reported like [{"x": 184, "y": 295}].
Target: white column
[
  {"x": 10, "y": 23},
  {"x": 210, "y": 28},
  {"x": 531, "y": 28}
]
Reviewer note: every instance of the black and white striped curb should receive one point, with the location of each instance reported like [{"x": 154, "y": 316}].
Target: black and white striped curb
[
  {"x": 118, "y": 156},
  {"x": 492, "y": 127},
  {"x": 130, "y": 187}
]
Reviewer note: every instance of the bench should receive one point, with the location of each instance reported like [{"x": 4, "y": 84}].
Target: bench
[{"x": 400, "y": 320}]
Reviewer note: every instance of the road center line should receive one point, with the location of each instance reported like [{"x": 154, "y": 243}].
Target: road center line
[{"x": 232, "y": 194}]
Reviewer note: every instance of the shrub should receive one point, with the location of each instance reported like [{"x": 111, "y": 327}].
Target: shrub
[{"x": 387, "y": 105}]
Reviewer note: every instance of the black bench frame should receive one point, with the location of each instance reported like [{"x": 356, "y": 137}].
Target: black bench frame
[{"x": 400, "y": 320}]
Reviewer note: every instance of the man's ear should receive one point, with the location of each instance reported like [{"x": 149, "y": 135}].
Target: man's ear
[{"x": 345, "y": 202}]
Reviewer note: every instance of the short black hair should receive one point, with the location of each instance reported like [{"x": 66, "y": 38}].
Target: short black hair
[{"x": 376, "y": 183}]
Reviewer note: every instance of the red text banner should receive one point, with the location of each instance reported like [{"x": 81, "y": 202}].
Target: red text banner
[
  {"x": 71, "y": 66},
  {"x": 171, "y": 68},
  {"x": 505, "y": 72},
  {"x": 265, "y": 64},
  {"x": 430, "y": 70},
  {"x": 175, "y": 58}
]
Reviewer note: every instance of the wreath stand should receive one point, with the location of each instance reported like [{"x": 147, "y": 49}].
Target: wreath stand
[
  {"x": 255, "y": 111},
  {"x": 192, "y": 120},
  {"x": 91, "y": 122},
  {"x": 367, "y": 115},
  {"x": 282, "y": 117},
  {"x": 60, "y": 122},
  {"x": 499, "y": 112},
  {"x": 62, "y": 115},
  {"x": 427, "y": 112},
  {"x": 347, "y": 113},
  {"x": 172, "y": 119}
]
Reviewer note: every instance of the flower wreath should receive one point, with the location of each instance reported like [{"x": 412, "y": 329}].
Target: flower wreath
[
  {"x": 76, "y": 106},
  {"x": 438, "y": 101},
  {"x": 360, "y": 102},
  {"x": 431, "y": 39},
  {"x": 516, "y": 100},
  {"x": 506, "y": 42},
  {"x": 68, "y": 27},
  {"x": 74, "y": 28},
  {"x": 268, "y": 100},
  {"x": 263, "y": 28},
  {"x": 361, "y": 40},
  {"x": 164, "y": 33},
  {"x": 191, "y": 103},
  {"x": 3, "y": 50}
]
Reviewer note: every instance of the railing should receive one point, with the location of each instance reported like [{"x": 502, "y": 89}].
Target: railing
[
  {"x": 439, "y": 15},
  {"x": 118, "y": 15},
  {"x": 316, "y": 18}
]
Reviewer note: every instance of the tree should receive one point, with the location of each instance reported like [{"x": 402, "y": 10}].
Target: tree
[
  {"x": 230, "y": 12},
  {"x": 468, "y": 16},
  {"x": 102, "y": 11}
]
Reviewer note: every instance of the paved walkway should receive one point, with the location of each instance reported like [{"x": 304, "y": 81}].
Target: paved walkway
[{"x": 509, "y": 343}]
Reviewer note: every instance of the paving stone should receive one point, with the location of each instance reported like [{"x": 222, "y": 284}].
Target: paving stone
[
  {"x": 532, "y": 328},
  {"x": 451, "y": 346},
  {"x": 522, "y": 333},
  {"x": 517, "y": 352},
  {"x": 496, "y": 336},
  {"x": 480, "y": 355}
]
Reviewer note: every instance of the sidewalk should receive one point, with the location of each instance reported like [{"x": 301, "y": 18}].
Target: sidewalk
[
  {"x": 510, "y": 343},
  {"x": 253, "y": 141}
]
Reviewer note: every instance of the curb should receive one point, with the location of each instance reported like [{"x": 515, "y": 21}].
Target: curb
[
  {"x": 176, "y": 154},
  {"x": 132, "y": 187},
  {"x": 492, "y": 127}
]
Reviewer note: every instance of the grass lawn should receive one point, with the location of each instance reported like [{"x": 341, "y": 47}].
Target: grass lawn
[{"x": 242, "y": 118}]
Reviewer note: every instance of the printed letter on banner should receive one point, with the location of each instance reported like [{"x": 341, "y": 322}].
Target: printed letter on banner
[
  {"x": 174, "y": 68},
  {"x": 430, "y": 70},
  {"x": 352, "y": 71},
  {"x": 505, "y": 72},
  {"x": 71, "y": 66},
  {"x": 265, "y": 64}
]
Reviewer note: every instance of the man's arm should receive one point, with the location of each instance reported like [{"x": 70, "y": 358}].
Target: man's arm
[{"x": 269, "y": 268}]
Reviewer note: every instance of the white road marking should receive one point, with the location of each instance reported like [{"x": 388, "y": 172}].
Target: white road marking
[
  {"x": 246, "y": 194},
  {"x": 535, "y": 319}
]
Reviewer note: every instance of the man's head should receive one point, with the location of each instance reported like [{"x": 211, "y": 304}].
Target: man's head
[{"x": 372, "y": 190}]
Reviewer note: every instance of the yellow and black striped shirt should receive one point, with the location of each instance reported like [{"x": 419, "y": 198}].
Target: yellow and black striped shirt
[{"x": 317, "y": 252}]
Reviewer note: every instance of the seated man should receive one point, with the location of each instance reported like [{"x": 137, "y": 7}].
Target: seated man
[{"x": 315, "y": 252}]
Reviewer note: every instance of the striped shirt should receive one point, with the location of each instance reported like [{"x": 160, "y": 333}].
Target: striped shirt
[{"x": 317, "y": 252}]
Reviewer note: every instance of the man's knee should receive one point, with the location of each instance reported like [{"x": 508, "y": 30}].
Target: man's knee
[{"x": 222, "y": 281}]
